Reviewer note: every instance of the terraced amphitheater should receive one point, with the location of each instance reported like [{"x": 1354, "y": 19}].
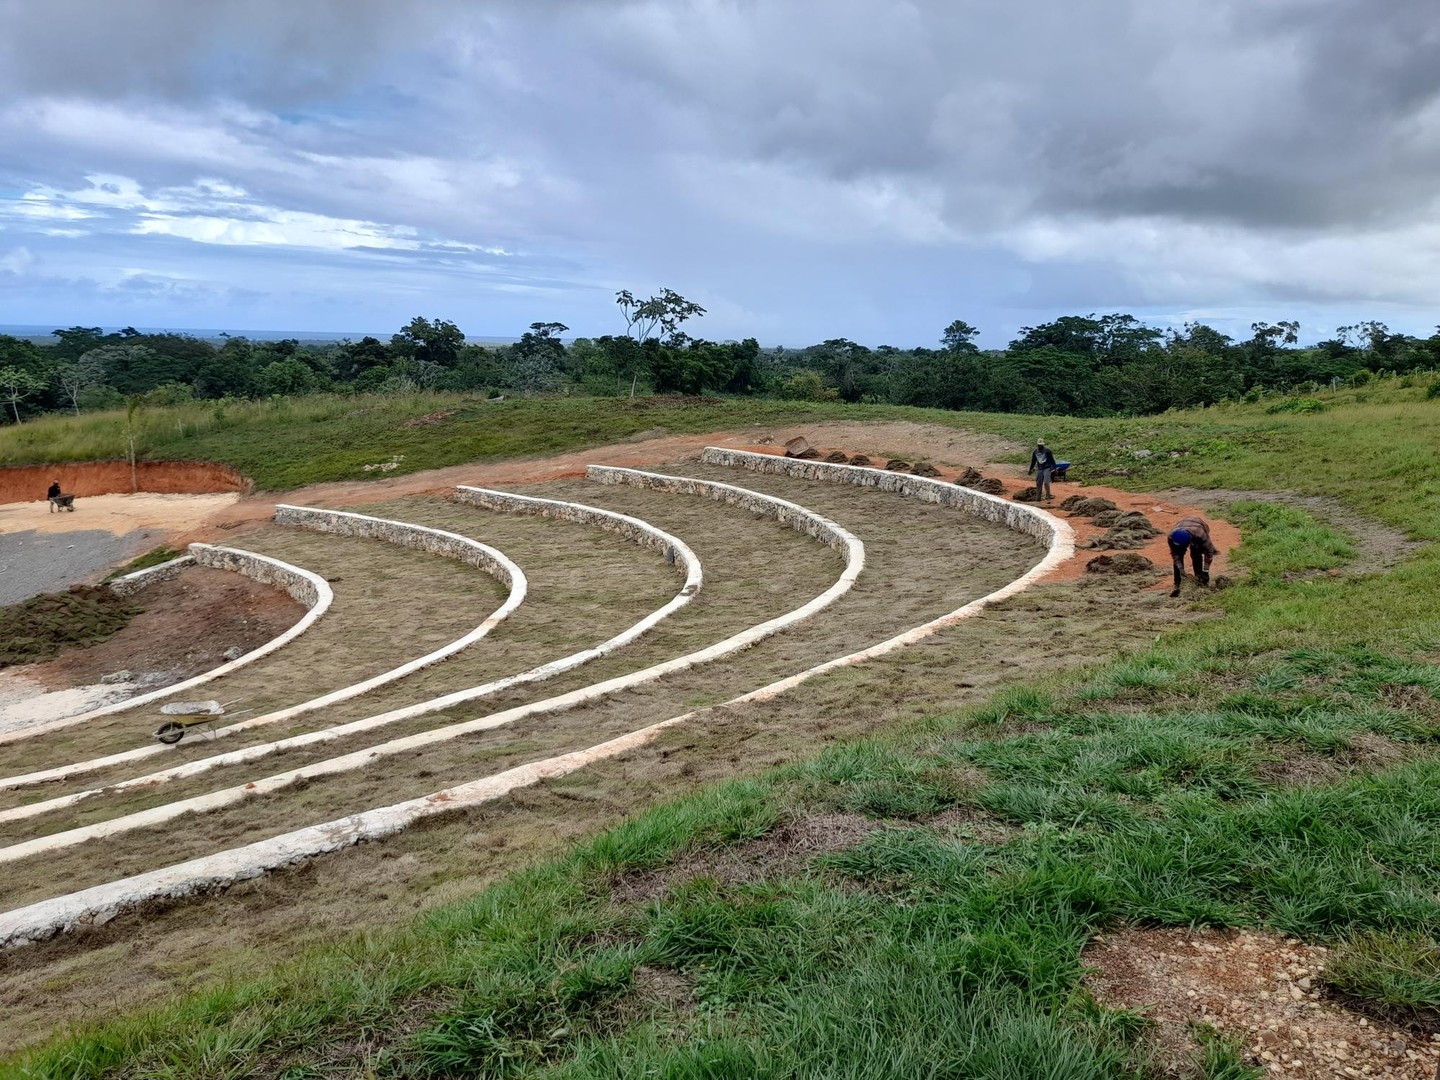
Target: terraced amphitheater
[{"x": 482, "y": 675}]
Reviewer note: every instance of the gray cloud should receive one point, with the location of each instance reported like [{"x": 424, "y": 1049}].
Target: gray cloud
[{"x": 1186, "y": 153}]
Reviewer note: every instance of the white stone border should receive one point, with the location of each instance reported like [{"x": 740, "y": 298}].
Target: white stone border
[
  {"x": 308, "y": 588},
  {"x": 102, "y": 903},
  {"x": 641, "y": 532},
  {"x": 98, "y": 905},
  {"x": 130, "y": 584},
  {"x": 792, "y": 514},
  {"x": 335, "y": 522}
]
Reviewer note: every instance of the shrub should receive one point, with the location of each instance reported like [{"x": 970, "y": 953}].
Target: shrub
[{"x": 1298, "y": 405}]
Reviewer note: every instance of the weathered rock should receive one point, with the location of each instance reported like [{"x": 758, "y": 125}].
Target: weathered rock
[
  {"x": 860, "y": 459},
  {"x": 837, "y": 457},
  {"x": 924, "y": 468},
  {"x": 233, "y": 653},
  {"x": 1127, "y": 562},
  {"x": 117, "y": 677},
  {"x": 896, "y": 465}
]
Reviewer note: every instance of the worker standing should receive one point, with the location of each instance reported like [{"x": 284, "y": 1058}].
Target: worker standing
[
  {"x": 1191, "y": 534},
  {"x": 1042, "y": 464}
]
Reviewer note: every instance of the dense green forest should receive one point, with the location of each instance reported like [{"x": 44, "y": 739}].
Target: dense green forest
[{"x": 1077, "y": 365}]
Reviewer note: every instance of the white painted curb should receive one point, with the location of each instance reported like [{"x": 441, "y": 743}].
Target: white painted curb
[
  {"x": 101, "y": 903},
  {"x": 787, "y": 512},
  {"x": 98, "y": 905},
  {"x": 309, "y": 588},
  {"x": 641, "y": 532},
  {"x": 337, "y": 522}
]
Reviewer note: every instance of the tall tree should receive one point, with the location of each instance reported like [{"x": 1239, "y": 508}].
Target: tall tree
[
  {"x": 959, "y": 337},
  {"x": 664, "y": 312},
  {"x": 79, "y": 375},
  {"x": 435, "y": 342},
  {"x": 17, "y": 384}
]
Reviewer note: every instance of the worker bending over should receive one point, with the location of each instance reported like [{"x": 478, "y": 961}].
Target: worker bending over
[{"x": 1191, "y": 534}]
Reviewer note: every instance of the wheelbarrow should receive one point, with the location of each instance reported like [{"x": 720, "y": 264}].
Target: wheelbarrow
[
  {"x": 1061, "y": 468},
  {"x": 188, "y": 715},
  {"x": 62, "y": 502}
]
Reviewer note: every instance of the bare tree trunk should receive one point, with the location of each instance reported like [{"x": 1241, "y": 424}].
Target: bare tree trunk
[
  {"x": 134, "y": 480},
  {"x": 634, "y": 379}
]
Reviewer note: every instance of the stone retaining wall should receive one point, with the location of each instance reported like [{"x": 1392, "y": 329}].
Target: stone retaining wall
[
  {"x": 1012, "y": 515},
  {"x": 302, "y": 585},
  {"x": 131, "y": 584},
  {"x": 783, "y": 511},
  {"x": 309, "y": 588},
  {"x": 676, "y": 552},
  {"x": 798, "y": 516},
  {"x": 417, "y": 537}
]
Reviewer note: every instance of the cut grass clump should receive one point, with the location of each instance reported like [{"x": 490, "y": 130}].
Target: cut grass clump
[
  {"x": 38, "y": 628},
  {"x": 1394, "y": 975}
]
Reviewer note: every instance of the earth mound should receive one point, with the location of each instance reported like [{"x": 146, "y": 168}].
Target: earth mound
[{"x": 1127, "y": 562}]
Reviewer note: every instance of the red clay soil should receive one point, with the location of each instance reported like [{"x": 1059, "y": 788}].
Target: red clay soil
[
  {"x": 28, "y": 483},
  {"x": 1162, "y": 514},
  {"x": 186, "y": 625}
]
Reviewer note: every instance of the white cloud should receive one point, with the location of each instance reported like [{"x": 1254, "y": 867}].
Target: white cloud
[
  {"x": 17, "y": 261},
  {"x": 898, "y": 156}
]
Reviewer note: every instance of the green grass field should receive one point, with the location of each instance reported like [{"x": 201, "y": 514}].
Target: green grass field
[{"x": 1220, "y": 779}]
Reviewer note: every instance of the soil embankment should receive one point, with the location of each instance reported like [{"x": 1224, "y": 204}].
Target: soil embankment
[{"x": 27, "y": 483}]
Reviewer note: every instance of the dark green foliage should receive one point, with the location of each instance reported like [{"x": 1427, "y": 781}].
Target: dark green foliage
[
  {"x": 36, "y": 628},
  {"x": 1084, "y": 366}
]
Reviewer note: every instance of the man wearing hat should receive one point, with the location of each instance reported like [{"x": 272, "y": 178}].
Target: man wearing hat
[
  {"x": 1042, "y": 464},
  {"x": 1192, "y": 534}
]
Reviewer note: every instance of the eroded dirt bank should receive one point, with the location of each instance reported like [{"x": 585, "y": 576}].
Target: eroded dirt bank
[{"x": 27, "y": 483}]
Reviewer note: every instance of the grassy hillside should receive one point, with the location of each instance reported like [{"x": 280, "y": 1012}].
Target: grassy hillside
[{"x": 1274, "y": 768}]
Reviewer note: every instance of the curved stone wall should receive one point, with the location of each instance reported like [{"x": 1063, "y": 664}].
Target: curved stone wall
[
  {"x": 417, "y": 537},
  {"x": 796, "y": 516},
  {"x": 131, "y": 584},
  {"x": 675, "y": 550},
  {"x": 782, "y": 510},
  {"x": 505, "y": 502},
  {"x": 1013, "y": 515},
  {"x": 308, "y": 588},
  {"x": 42, "y": 920}
]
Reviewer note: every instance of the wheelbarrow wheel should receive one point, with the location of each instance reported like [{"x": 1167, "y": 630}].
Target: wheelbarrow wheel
[{"x": 170, "y": 733}]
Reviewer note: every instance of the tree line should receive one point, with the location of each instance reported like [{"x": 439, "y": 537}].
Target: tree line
[{"x": 1076, "y": 365}]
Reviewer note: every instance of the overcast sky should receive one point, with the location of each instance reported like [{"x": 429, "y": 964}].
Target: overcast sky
[{"x": 805, "y": 169}]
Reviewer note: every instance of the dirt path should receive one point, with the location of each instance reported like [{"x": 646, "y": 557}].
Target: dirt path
[
  {"x": 1380, "y": 546},
  {"x": 942, "y": 445}
]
